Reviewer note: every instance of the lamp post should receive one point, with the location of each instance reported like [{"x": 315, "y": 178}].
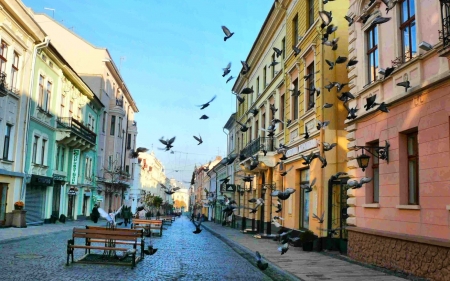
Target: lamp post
[{"x": 381, "y": 152}]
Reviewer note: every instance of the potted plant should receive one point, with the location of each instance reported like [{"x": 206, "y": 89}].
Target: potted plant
[
  {"x": 19, "y": 205},
  {"x": 307, "y": 237}
]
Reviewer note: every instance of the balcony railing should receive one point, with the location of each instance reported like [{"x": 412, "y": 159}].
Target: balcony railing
[
  {"x": 4, "y": 87},
  {"x": 444, "y": 34},
  {"x": 260, "y": 143},
  {"x": 119, "y": 102},
  {"x": 76, "y": 128}
]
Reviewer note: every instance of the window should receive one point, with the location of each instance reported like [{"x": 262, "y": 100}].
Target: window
[
  {"x": 113, "y": 126},
  {"x": 304, "y": 179},
  {"x": 257, "y": 129},
  {"x": 374, "y": 185},
  {"x": 408, "y": 29},
  {"x": 263, "y": 121},
  {"x": 89, "y": 122},
  {"x": 311, "y": 85},
  {"x": 44, "y": 144},
  {"x": 3, "y": 55},
  {"x": 104, "y": 122},
  {"x": 282, "y": 111},
  {"x": 93, "y": 124},
  {"x": 63, "y": 158},
  {"x": 7, "y": 141},
  {"x": 110, "y": 162},
  {"x": 295, "y": 30},
  {"x": 283, "y": 47},
  {"x": 129, "y": 141},
  {"x": 257, "y": 85},
  {"x": 41, "y": 92},
  {"x": 61, "y": 109},
  {"x": 120, "y": 126},
  {"x": 79, "y": 114},
  {"x": 58, "y": 148},
  {"x": 295, "y": 101},
  {"x": 127, "y": 168},
  {"x": 48, "y": 96},
  {"x": 14, "y": 71},
  {"x": 310, "y": 12},
  {"x": 413, "y": 169},
  {"x": 71, "y": 109},
  {"x": 86, "y": 167},
  {"x": 273, "y": 66},
  {"x": 250, "y": 133},
  {"x": 264, "y": 77},
  {"x": 372, "y": 53},
  {"x": 35, "y": 144}
]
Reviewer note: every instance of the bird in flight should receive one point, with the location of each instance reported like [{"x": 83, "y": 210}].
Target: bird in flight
[
  {"x": 227, "y": 32},
  {"x": 205, "y": 105},
  {"x": 199, "y": 139},
  {"x": 135, "y": 153}
]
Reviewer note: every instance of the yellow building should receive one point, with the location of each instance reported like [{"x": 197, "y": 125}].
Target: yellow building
[{"x": 294, "y": 23}]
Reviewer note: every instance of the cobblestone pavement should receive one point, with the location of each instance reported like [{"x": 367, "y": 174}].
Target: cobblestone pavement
[
  {"x": 307, "y": 266},
  {"x": 181, "y": 255}
]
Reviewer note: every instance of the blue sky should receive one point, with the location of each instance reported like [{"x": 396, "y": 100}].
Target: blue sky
[{"x": 173, "y": 58}]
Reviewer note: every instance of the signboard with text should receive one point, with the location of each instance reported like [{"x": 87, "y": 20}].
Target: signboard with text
[{"x": 75, "y": 163}]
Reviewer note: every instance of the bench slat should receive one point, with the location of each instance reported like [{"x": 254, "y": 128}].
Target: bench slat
[
  {"x": 102, "y": 236},
  {"x": 99, "y": 248}
]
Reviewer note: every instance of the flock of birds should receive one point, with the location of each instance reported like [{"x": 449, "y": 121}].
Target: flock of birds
[{"x": 281, "y": 195}]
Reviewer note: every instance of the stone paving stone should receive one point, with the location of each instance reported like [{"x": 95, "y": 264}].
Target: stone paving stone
[
  {"x": 308, "y": 266},
  {"x": 181, "y": 255}
]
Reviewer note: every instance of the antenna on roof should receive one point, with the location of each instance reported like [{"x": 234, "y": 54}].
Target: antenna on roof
[{"x": 53, "y": 11}]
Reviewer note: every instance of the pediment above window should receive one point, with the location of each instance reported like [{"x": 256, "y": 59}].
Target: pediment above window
[{"x": 366, "y": 10}]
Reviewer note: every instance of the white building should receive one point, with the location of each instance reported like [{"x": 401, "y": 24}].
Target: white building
[{"x": 182, "y": 195}]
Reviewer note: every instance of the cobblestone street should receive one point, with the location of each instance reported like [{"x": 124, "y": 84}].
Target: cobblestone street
[{"x": 181, "y": 255}]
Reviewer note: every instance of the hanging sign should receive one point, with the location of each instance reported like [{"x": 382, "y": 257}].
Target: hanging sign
[
  {"x": 75, "y": 163},
  {"x": 231, "y": 187}
]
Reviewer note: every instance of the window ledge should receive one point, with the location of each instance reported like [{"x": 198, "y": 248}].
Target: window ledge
[
  {"x": 7, "y": 161},
  {"x": 408, "y": 207},
  {"x": 295, "y": 122},
  {"x": 371, "y": 205}
]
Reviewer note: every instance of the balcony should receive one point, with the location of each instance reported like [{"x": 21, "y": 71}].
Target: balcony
[
  {"x": 74, "y": 134},
  {"x": 256, "y": 147},
  {"x": 444, "y": 34},
  {"x": 5, "y": 89},
  {"x": 258, "y": 144}
]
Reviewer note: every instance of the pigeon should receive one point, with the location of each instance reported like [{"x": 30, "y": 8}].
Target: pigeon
[
  {"x": 379, "y": 20},
  {"x": 226, "y": 70},
  {"x": 285, "y": 172},
  {"x": 339, "y": 86},
  {"x": 278, "y": 218},
  {"x": 333, "y": 231},
  {"x": 288, "y": 122},
  {"x": 390, "y": 4},
  {"x": 350, "y": 20},
  {"x": 199, "y": 139},
  {"x": 323, "y": 160},
  {"x": 283, "y": 249},
  {"x": 247, "y": 91},
  {"x": 231, "y": 158},
  {"x": 354, "y": 184},
  {"x": 197, "y": 227},
  {"x": 283, "y": 195},
  {"x": 259, "y": 263},
  {"x": 365, "y": 18},
  {"x": 278, "y": 51},
  {"x": 279, "y": 206},
  {"x": 273, "y": 63},
  {"x": 388, "y": 72},
  {"x": 308, "y": 159},
  {"x": 346, "y": 96},
  {"x": 229, "y": 79},
  {"x": 227, "y": 32},
  {"x": 330, "y": 64},
  {"x": 245, "y": 68},
  {"x": 308, "y": 186},
  {"x": 276, "y": 223},
  {"x": 309, "y": 75},
  {"x": 337, "y": 175},
  {"x": 322, "y": 125},
  {"x": 320, "y": 219},
  {"x": 330, "y": 30},
  {"x": 135, "y": 153},
  {"x": 295, "y": 93},
  {"x": 370, "y": 103},
  {"x": 327, "y": 105},
  {"x": 326, "y": 17},
  {"x": 296, "y": 50},
  {"x": 405, "y": 84},
  {"x": 340, "y": 60},
  {"x": 204, "y": 117},
  {"x": 168, "y": 143},
  {"x": 351, "y": 112},
  {"x": 150, "y": 251},
  {"x": 205, "y": 105},
  {"x": 111, "y": 217},
  {"x": 351, "y": 62},
  {"x": 305, "y": 133},
  {"x": 333, "y": 43},
  {"x": 272, "y": 108},
  {"x": 240, "y": 99},
  {"x": 329, "y": 86},
  {"x": 326, "y": 1},
  {"x": 254, "y": 112},
  {"x": 327, "y": 146},
  {"x": 243, "y": 128},
  {"x": 383, "y": 107},
  {"x": 169, "y": 191}
]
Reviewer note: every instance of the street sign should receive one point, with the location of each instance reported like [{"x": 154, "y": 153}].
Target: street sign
[{"x": 231, "y": 187}]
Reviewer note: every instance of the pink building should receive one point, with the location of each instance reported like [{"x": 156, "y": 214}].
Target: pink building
[{"x": 401, "y": 218}]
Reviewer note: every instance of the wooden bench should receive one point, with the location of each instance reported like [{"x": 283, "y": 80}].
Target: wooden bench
[
  {"x": 140, "y": 232},
  {"x": 110, "y": 238},
  {"x": 166, "y": 219},
  {"x": 148, "y": 225}
]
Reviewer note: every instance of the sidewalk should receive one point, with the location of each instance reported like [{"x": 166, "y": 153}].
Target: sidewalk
[
  {"x": 13, "y": 233},
  {"x": 307, "y": 266}
]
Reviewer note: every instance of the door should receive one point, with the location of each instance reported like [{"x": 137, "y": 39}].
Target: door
[
  {"x": 337, "y": 215},
  {"x": 261, "y": 211},
  {"x": 34, "y": 204},
  {"x": 56, "y": 200},
  {"x": 71, "y": 206},
  {"x": 3, "y": 196}
]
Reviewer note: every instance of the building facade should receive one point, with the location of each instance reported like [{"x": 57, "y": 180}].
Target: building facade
[
  {"x": 401, "y": 217},
  {"x": 20, "y": 40},
  {"x": 118, "y": 130},
  {"x": 181, "y": 200},
  {"x": 62, "y": 141}
]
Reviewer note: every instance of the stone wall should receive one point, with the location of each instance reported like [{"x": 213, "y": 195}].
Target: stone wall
[{"x": 419, "y": 259}]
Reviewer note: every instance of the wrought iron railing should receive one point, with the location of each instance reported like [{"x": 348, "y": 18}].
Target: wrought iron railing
[
  {"x": 5, "y": 87},
  {"x": 119, "y": 102},
  {"x": 444, "y": 34},
  {"x": 77, "y": 128},
  {"x": 258, "y": 144}
]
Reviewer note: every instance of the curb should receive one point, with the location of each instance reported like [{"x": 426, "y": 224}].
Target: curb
[{"x": 273, "y": 271}]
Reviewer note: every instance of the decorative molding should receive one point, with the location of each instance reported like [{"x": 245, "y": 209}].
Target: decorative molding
[
  {"x": 408, "y": 207},
  {"x": 372, "y": 206}
]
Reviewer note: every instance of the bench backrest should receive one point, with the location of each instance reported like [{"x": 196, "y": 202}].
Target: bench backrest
[
  {"x": 139, "y": 221},
  {"x": 138, "y": 231},
  {"x": 105, "y": 234}
]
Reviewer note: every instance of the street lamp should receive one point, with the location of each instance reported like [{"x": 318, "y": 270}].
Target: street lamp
[{"x": 381, "y": 152}]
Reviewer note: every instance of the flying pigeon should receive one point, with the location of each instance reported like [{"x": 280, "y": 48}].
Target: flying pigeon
[
  {"x": 226, "y": 70},
  {"x": 405, "y": 84},
  {"x": 197, "y": 227},
  {"x": 379, "y": 20},
  {"x": 354, "y": 184},
  {"x": 326, "y": 18},
  {"x": 337, "y": 175},
  {"x": 283, "y": 195},
  {"x": 247, "y": 91},
  {"x": 199, "y": 139},
  {"x": 230, "y": 78},
  {"x": 327, "y": 146},
  {"x": 308, "y": 186},
  {"x": 204, "y": 117},
  {"x": 168, "y": 143},
  {"x": 383, "y": 107},
  {"x": 283, "y": 249},
  {"x": 135, "y": 153},
  {"x": 285, "y": 172},
  {"x": 320, "y": 219},
  {"x": 245, "y": 67},
  {"x": 150, "y": 251},
  {"x": 390, "y": 4},
  {"x": 327, "y": 105},
  {"x": 349, "y": 19},
  {"x": 277, "y": 51},
  {"x": 296, "y": 50},
  {"x": 227, "y": 32},
  {"x": 322, "y": 125},
  {"x": 370, "y": 102},
  {"x": 205, "y": 105},
  {"x": 111, "y": 217}
]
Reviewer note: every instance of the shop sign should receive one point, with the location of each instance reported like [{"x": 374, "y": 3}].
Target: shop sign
[
  {"x": 99, "y": 198},
  {"x": 41, "y": 180},
  {"x": 231, "y": 187},
  {"x": 57, "y": 177},
  {"x": 72, "y": 191},
  {"x": 75, "y": 164},
  {"x": 302, "y": 147}
]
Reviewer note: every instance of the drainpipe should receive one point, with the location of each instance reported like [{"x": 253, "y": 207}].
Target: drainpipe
[
  {"x": 27, "y": 114},
  {"x": 215, "y": 204}
]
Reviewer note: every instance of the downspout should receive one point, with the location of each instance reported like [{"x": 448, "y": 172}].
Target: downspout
[
  {"x": 27, "y": 114},
  {"x": 215, "y": 201}
]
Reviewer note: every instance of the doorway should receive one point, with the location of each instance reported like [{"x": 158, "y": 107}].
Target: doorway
[
  {"x": 3, "y": 196},
  {"x": 56, "y": 200},
  {"x": 337, "y": 211},
  {"x": 70, "y": 207},
  {"x": 263, "y": 195}
]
